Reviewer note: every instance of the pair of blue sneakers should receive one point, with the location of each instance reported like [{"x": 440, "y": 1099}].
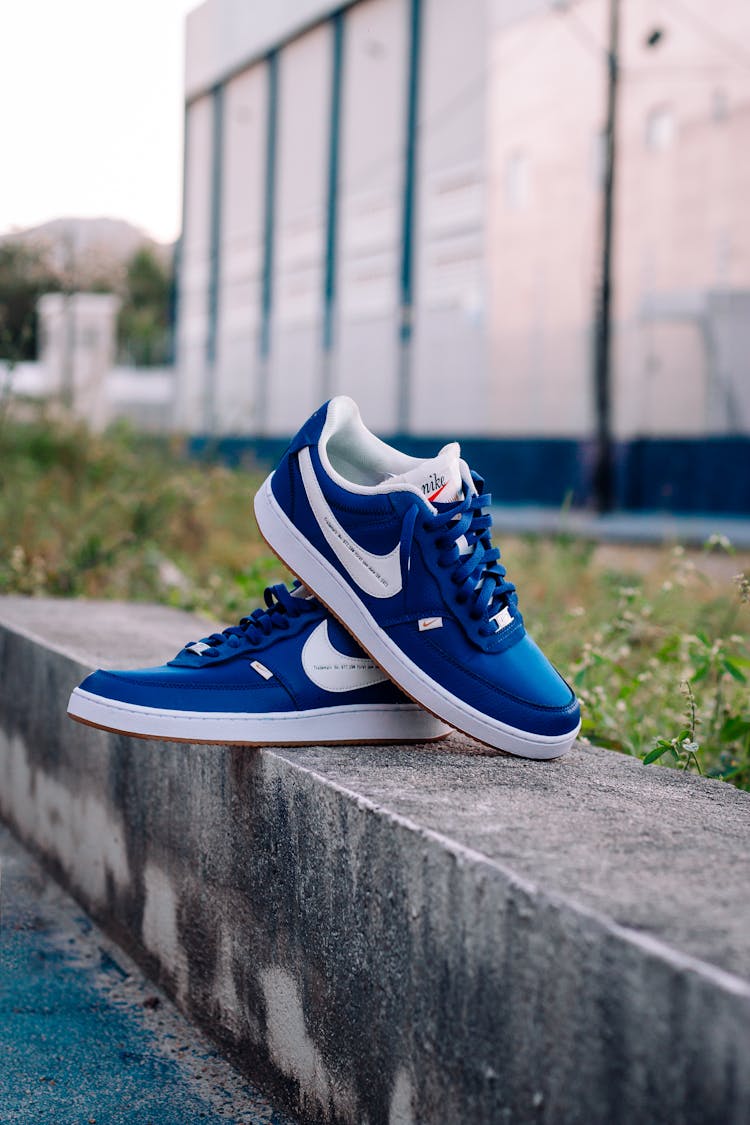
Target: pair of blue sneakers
[{"x": 398, "y": 551}]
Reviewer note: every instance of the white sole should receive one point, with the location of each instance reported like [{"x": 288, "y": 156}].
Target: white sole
[
  {"x": 378, "y": 722},
  {"x": 328, "y": 586}
]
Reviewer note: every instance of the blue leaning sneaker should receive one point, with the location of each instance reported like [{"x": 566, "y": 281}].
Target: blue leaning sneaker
[
  {"x": 399, "y": 550},
  {"x": 288, "y": 674}
]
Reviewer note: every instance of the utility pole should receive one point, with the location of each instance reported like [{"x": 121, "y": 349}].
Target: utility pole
[
  {"x": 406, "y": 307},
  {"x": 603, "y": 478}
]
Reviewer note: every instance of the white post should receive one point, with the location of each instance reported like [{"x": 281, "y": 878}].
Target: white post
[{"x": 77, "y": 350}]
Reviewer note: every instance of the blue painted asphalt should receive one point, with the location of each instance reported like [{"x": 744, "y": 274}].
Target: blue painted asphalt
[{"x": 84, "y": 1038}]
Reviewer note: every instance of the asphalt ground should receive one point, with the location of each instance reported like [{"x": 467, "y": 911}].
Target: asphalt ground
[{"x": 85, "y": 1038}]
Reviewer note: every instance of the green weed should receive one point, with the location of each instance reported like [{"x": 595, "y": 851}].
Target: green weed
[{"x": 654, "y": 640}]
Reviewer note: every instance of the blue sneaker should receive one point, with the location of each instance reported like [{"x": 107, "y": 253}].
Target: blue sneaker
[
  {"x": 399, "y": 549},
  {"x": 287, "y": 675}
]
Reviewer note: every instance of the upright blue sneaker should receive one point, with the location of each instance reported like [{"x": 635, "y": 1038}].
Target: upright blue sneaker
[
  {"x": 399, "y": 549},
  {"x": 287, "y": 675}
]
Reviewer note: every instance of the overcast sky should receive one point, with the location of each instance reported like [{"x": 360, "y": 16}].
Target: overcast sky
[{"x": 91, "y": 111}]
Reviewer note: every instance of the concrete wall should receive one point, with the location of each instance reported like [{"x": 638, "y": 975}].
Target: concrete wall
[
  {"x": 77, "y": 334},
  {"x": 397, "y": 935}
]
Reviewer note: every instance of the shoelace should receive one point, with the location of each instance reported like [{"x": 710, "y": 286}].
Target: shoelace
[
  {"x": 476, "y": 569},
  {"x": 280, "y": 609}
]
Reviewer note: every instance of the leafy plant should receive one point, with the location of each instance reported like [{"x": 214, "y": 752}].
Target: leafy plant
[
  {"x": 683, "y": 749},
  {"x": 654, "y": 640},
  {"x": 654, "y": 649},
  {"x": 143, "y": 321}
]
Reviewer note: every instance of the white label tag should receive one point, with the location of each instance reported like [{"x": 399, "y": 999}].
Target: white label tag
[
  {"x": 502, "y": 618},
  {"x": 261, "y": 669},
  {"x": 198, "y": 647},
  {"x": 426, "y": 623}
]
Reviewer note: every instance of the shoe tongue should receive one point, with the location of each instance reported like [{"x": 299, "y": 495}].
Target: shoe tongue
[{"x": 438, "y": 478}]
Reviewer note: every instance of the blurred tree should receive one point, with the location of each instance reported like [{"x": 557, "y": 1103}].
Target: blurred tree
[
  {"x": 25, "y": 274},
  {"x": 144, "y": 321}
]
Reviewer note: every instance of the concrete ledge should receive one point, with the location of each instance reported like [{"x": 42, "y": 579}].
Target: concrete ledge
[{"x": 431, "y": 935}]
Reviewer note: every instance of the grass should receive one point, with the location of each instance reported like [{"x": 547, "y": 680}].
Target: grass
[{"x": 655, "y": 640}]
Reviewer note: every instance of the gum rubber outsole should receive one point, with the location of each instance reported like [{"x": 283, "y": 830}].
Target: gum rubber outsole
[{"x": 324, "y": 581}]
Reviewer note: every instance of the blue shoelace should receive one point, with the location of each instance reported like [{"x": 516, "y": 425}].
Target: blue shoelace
[
  {"x": 281, "y": 608},
  {"x": 476, "y": 569}
]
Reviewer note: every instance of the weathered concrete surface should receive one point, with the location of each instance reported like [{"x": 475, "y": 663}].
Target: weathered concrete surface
[
  {"x": 84, "y": 1037},
  {"x": 398, "y": 935}
]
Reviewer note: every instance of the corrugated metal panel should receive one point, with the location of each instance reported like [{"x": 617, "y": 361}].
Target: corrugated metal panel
[
  {"x": 223, "y": 36},
  {"x": 299, "y": 229}
]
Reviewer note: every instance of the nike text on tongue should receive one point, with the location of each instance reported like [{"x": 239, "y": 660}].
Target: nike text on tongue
[
  {"x": 434, "y": 485},
  {"x": 438, "y": 478}
]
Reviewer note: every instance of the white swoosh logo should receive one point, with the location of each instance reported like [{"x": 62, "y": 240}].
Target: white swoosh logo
[
  {"x": 332, "y": 670},
  {"x": 378, "y": 575}
]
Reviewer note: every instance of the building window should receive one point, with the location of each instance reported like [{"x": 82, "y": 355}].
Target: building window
[
  {"x": 660, "y": 128},
  {"x": 517, "y": 181}
]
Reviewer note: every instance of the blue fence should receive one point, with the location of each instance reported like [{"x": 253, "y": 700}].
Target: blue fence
[{"x": 695, "y": 475}]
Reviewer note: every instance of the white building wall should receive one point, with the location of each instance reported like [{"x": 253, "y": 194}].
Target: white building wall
[
  {"x": 450, "y": 354},
  {"x": 682, "y": 236},
  {"x": 237, "y": 371},
  {"x": 546, "y": 109},
  {"x": 508, "y": 206},
  {"x": 299, "y": 238},
  {"x": 226, "y": 36},
  {"x": 192, "y": 329},
  {"x": 370, "y": 194}
]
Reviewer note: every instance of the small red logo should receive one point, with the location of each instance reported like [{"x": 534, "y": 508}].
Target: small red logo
[{"x": 442, "y": 486}]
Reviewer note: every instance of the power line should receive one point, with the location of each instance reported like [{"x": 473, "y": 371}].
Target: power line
[
  {"x": 584, "y": 36},
  {"x": 721, "y": 41},
  {"x": 695, "y": 70},
  {"x": 579, "y": 31}
]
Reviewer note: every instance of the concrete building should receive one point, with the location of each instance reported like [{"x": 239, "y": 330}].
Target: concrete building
[{"x": 401, "y": 200}]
